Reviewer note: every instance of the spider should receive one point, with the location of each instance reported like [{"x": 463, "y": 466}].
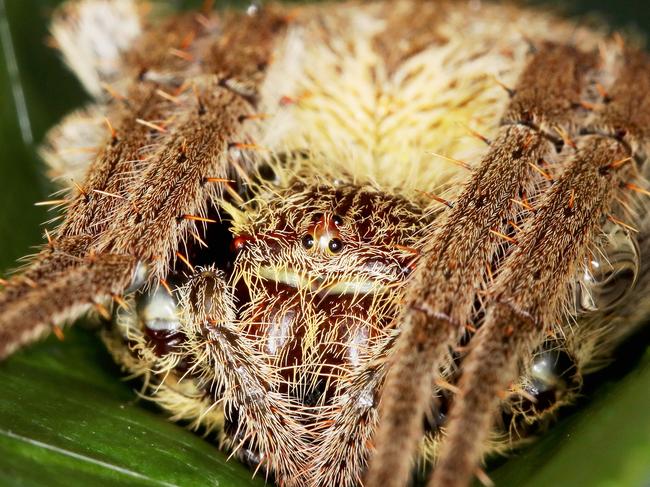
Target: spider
[{"x": 348, "y": 237}]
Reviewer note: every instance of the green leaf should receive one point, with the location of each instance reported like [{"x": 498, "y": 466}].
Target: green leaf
[
  {"x": 67, "y": 418},
  {"x": 604, "y": 443}
]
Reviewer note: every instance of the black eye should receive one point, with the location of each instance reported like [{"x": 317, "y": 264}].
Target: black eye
[
  {"x": 335, "y": 245},
  {"x": 308, "y": 241},
  {"x": 338, "y": 221}
]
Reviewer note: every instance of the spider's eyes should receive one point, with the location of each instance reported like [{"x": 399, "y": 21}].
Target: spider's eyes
[
  {"x": 335, "y": 245},
  {"x": 324, "y": 233},
  {"x": 308, "y": 241},
  {"x": 239, "y": 242}
]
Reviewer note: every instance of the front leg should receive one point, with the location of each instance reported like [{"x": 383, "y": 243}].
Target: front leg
[
  {"x": 239, "y": 379},
  {"x": 175, "y": 129}
]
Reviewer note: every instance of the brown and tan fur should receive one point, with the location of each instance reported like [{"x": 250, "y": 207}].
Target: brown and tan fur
[{"x": 452, "y": 275}]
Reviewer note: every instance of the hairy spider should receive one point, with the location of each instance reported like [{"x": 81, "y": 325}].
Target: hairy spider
[{"x": 348, "y": 236}]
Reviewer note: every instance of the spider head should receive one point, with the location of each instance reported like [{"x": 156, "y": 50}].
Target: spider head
[
  {"x": 318, "y": 275},
  {"x": 307, "y": 306},
  {"x": 345, "y": 239}
]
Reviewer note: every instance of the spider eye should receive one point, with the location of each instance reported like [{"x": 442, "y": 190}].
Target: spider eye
[
  {"x": 239, "y": 242},
  {"x": 335, "y": 245},
  {"x": 308, "y": 241},
  {"x": 338, "y": 221}
]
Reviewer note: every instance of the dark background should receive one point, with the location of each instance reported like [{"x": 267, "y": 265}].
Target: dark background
[{"x": 606, "y": 443}]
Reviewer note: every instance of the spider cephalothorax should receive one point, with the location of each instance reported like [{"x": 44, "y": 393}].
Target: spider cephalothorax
[
  {"x": 296, "y": 251},
  {"x": 315, "y": 276}
]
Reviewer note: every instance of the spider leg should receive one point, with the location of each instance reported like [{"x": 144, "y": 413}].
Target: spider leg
[
  {"x": 156, "y": 179},
  {"x": 175, "y": 187},
  {"x": 440, "y": 298},
  {"x": 525, "y": 297},
  {"x": 105, "y": 187},
  {"x": 354, "y": 416},
  {"x": 535, "y": 277},
  {"x": 229, "y": 365},
  {"x": 88, "y": 213},
  {"x": 92, "y": 280},
  {"x": 48, "y": 263}
]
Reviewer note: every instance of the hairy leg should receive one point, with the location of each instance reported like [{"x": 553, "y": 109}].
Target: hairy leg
[
  {"x": 534, "y": 279},
  {"x": 441, "y": 297},
  {"x": 149, "y": 186},
  {"x": 72, "y": 292},
  {"x": 227, "y": 363}
]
